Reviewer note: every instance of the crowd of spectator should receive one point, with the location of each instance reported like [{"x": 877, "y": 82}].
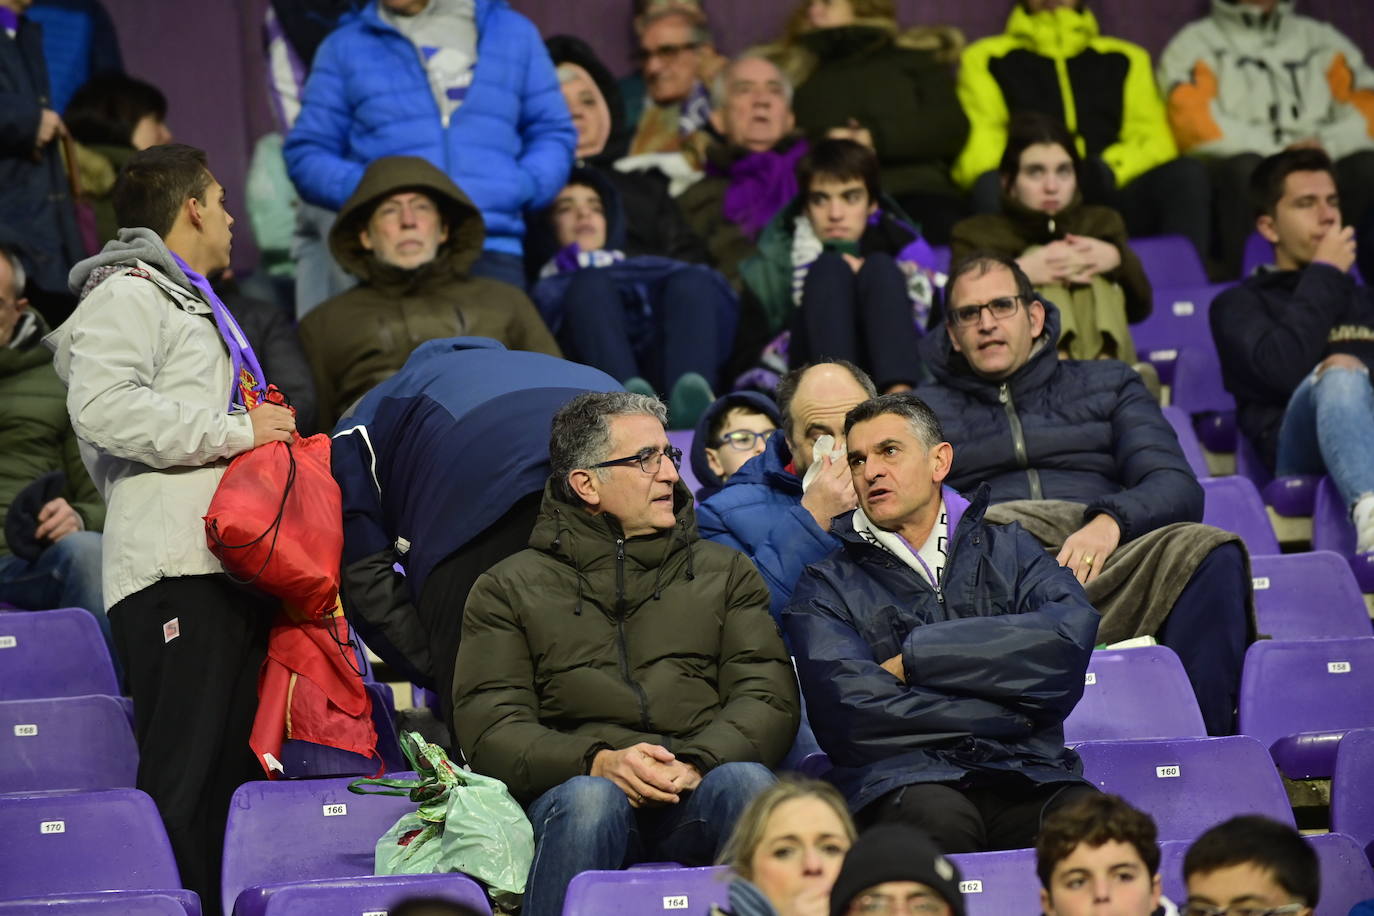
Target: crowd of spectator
[{"x": 498, "y": 276}]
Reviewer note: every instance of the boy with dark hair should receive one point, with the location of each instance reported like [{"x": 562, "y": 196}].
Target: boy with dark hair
[
  {"x": 1098, "y": 855},
  {"x": 1251, "y": 864},
  {"x": 1297, "y": 341},
  {"x": 731, "y": 431}
]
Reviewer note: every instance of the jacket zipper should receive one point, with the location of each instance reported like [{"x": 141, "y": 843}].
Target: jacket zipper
[
  {"x": 620, "y": 634},
  {"x": 1018, "y": 440}
]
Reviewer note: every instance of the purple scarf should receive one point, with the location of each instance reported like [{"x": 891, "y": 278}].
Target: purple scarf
[
  {"x": 9, "y": 19},
  {"x": 761, "y": 184},
  {"x": 248, "y": 385}
]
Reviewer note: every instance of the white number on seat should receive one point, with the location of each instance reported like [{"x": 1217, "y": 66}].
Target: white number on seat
[
  {"x": 1169, "y": 772},
  {"x": 678, "y": 902},
  {"x": 53, "y": 827},
  {"x": 1338, "y": 667},
  {"x": 25, "y": 731},
  {"x": 970, "y": 887},
  {"x": 335, "y": 810}
]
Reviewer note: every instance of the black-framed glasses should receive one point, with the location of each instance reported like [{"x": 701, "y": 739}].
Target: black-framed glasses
[
  {"x": 648, "y": 459},
  {"x": 666, "y": 52},
  {"x": 742, "y": 439},
  {"x": 1242, "y": 909},
  {"x": 1001, "y": 307}
]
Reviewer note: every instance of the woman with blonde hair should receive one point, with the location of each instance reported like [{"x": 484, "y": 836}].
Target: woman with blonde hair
[{"x": 786, "y": 850}]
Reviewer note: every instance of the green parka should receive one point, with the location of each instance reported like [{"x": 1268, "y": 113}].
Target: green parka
[
  {"x": 589, "y": 641},
  {"x": 35, "y": 435}
]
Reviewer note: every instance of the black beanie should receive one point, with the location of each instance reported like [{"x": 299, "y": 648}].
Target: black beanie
[{"x": 895, "y": 852}]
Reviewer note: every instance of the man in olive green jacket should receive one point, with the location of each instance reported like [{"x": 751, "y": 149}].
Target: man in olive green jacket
[
  {"x": 623, "y": 677},
  {"x": 55, "y": 561}
]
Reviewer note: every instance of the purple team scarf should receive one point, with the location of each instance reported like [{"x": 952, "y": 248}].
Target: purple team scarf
[
  {"x": 241, "y": 354},
  {"x": 9, "y": 19},
  {"x": 761, "y": 184}
]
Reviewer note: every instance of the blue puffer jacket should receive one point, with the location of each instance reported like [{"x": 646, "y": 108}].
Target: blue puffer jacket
[
  {"x": 759, "y": 512},
  {"x": 1083, "y": 431},
  {"x": 995, "y": 659},
  {"x": 509, "y": 146}
]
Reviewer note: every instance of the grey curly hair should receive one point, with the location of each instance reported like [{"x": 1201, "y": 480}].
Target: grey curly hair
[{"x": 581, "y": 433}]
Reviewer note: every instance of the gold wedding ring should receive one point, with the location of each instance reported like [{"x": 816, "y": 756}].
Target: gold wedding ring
[{"x": 1089, "y": 559}]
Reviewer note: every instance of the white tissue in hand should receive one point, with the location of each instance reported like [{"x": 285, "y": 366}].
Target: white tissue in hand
[{"x": 825, "y": 445}]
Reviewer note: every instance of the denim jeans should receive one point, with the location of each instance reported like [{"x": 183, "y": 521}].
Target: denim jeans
[
  {"x": 67, "y": 574},
  {"x": 587, "y": 823},
  {"x": 1328, "y": 428},
  {"x": 318, "y": 275}
]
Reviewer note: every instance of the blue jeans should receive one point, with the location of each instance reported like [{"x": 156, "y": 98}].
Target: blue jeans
[
  {"x": 67, "y": 574},
  {"x": 587, "y": 823},
  {"x": 318, "y": 275},
  {"x": 1328, "y": 428}
]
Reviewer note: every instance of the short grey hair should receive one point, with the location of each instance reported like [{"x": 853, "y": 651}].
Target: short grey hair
[
  {"x": 925, "y": 425},
  {"x": 701, "y": 32},
  {"x": 581, "y": 433},
  {"x": 720, "y": 86},
  {"x": 16, "y": 267}
]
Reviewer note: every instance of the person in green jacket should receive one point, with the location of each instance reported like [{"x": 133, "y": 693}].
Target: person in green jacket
[
  {"x": 54, "y": 558},
  {"x": 1053, "y": 59},
  {"x": 622, "y": 676}
]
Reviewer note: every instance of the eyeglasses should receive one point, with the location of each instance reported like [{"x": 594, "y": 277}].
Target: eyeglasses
[
  {"x": 886, "y": 905},
  {"x": 648, "y": 459},
  {"x": 1001, "y": 307},
  {"x": 742, "y": 439},
  {"x": 665, "y": 52},
  {"x": 1206, "y": 909}
]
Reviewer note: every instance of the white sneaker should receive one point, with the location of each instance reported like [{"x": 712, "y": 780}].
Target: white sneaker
[{"x": 1364, "y": 523}]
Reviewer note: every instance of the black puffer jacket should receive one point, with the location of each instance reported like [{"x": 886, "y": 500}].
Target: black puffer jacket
[{"x": 1083, "y": 431}]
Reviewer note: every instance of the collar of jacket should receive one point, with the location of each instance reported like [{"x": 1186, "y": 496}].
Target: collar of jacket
[
  {"x": 723, "y": 156},
  {"x": 588, "y": 542},
  {"x": 952, "y": 369},
  {"x": 1036, "y": 226},
  {"x": 861, "y": 38},
  {"x": 371, "y": 16},
  {"x": 23, "y": 354},
  {"x": 972, "y": 515},
  {"x": 1238, "y": 19},
  {"x": 1062, "y": 32}
]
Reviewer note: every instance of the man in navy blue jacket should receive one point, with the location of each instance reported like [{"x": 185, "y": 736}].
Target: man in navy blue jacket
[
  {"x": 1082, "y": 456},
  {"x": 441, "y": 467},
  {"x": 938, "y": 654}
]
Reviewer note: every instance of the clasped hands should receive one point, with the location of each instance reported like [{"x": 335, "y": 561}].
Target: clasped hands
[
  {"x": 1072, "y": 259},
  {"x": 648, "y": 774}
]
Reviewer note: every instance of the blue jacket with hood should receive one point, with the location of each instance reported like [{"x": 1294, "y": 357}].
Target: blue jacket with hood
[
  {"x": 994, "y": 658},
  {"x": 509, "y": 146}
]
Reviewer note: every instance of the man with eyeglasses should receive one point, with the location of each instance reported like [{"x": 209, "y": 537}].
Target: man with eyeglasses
[
  {"x": 621, "y": 676},
  {"x": 673, "y": 45},
  {"x": 1083, "y": 458},
  {"x": 1251, "y": 866},
  {"x": 895, "y": 870}
]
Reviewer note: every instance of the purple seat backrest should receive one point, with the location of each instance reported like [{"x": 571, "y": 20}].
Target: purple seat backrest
[
  {"x": 1179, "y": 318},
  {"x": 125, "y": 903},
  {"x": 646, "y": 891},
  {"x": 38, "y": 751},
  {"x": 1333, "y": 530},
  {"x": 1308, "y": 596},
  {"x": 1170, "y": 261},
  {"x": 1189, "y": 784},
  {"x": 1234, "y": 504},
  {"x": 364, "y": 895},
  {"x": 57, "y": 653},
  {"x": 1171, "y": 853},
  {"x": 1135, "y": 693},
  {"x": 58, "y": 842},
  {"x": 997, "y": 883},
  {"x": 682, "y": 438},
  {"x": 1352, "y": 802},
  {"x": 1197, "y": 386},
  {"x": 1187, "y": 440},
  {"x": 330, "y": 832},
  {"x": 1346, "y": 875},
  {"x": 1314, "y": 685}
]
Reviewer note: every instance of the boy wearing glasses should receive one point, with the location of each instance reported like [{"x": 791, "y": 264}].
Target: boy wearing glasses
[
  {"x": 731, "y": 431},
  {"x": 1251, "y": 866},
  {"x": 622, "y": 676}
]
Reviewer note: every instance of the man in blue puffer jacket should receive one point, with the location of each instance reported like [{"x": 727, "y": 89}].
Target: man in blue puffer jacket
[
  {"x": 466, "y": 84},
  {"x": 939, "y": 655},
  {"x": 1081, "y": 455}
]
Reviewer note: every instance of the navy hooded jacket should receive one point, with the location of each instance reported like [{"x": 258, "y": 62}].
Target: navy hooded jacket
[
  {"x": 1084, "y": 431},
  {"x": 430, "y": 458},
  {"x": 994, "y": 659}
]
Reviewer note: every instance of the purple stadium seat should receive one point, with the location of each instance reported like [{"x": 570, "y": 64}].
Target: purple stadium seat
[
  {"x": 1299, "y": 698},
  {"x": 1171, "y": 853},
  {"x": 1352, "y": 802},
  {"x": 1170, "y": 261},
  {"x": 1308, "y": 596},
  {"x": 682, "y": 438},
  {"x": 1234, "y": 504},
  {"x": 304, "y": 759},
  {"x": 1179, "y": 317},
  {"x": 63, "y": 842},
  {"x": 1189, "y": 784},
  {"x": 58, "y": 653},
  {"x": 997, "y": 883},
  {"x": 124, "y": 903},
  {"x": 1346, "y": 875},
  {"x": 1333, "y": 530},
  {"x": 1187, "y": 440},
  {"x": 1135, "y": 693},
  {"x": 1197, "y": 380},
  {"x": 1292, "y": 496},
  {"x": 366, "y": 895},
  {"x": 645, "y": 891},
  {"x": 66, "y": 743},
  {"x": 330, "y": 832},
  {"x": 421, "y": 698}
]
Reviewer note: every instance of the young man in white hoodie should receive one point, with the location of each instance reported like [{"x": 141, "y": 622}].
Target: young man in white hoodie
[{"x": 163, "y": 390}]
